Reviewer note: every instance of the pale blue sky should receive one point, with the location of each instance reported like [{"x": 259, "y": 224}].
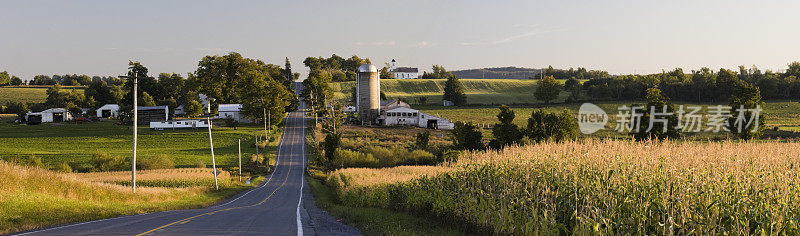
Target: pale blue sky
[{"x": 99, "y": 37}]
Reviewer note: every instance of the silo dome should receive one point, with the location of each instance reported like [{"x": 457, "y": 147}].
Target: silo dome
[{"x": 367, "y": 68}]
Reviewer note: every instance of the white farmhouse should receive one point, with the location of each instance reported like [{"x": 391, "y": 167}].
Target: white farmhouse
[
  {"x": 108, "y": 111},
  {"x": 233, "y": 111},
  {"x": 49, "y": 115},
  {"x": 403, "y": 72}
]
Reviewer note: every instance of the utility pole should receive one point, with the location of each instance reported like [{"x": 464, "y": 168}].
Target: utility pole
[
  {"x": 265, "y": 126},
  {"x": 211, "y": 143},
  {"x": 240, "y": 160},
  {"x": 135, "y": 126}
]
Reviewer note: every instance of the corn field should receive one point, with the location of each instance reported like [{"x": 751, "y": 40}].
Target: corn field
[{"x": 600, "y": 187}]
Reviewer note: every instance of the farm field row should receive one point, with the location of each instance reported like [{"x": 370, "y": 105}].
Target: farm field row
[
  {"x": 35, "y": 198},
  {"x": 596, "y": 187},
  {"x": 28, "y": 94},
  {"x": 69, "y": 142}
]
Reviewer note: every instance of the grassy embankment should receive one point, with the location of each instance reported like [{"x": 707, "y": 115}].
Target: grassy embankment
[
  {"x": 597, "y": 186},
  {"x": 33, "y": 197},
  {"x": 76, "y": 143},
  {"x": 26, "y": 94}
]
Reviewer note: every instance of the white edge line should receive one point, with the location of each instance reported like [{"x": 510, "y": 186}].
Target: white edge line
[
  {"x": 302, "y": 175},
  {"x": 278, "y": 153}
]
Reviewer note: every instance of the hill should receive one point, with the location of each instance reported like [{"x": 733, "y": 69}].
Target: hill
[
  {"x": 498, "y": 73},
  {"x": 29, "y": 94}
]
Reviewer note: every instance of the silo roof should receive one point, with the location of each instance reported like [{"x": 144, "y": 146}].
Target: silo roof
[{"x": 367, "y": 68}]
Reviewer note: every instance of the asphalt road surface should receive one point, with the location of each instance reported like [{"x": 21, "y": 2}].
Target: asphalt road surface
[{"x": 274, "y": 208}]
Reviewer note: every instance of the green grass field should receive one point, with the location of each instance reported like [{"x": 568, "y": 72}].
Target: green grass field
[
  {"x": 33, "y": 94},
  {"x": 59, "y": 142},
  {"x": 478, "y": 91}
]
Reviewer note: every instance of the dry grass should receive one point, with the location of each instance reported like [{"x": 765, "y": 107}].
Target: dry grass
[
  {"x": 174, "y": 174},
  {"x": 603, "y": 186},
  {"x": 362, "y": 177}
]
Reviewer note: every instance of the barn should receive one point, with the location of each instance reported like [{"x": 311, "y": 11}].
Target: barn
[
  {"x": 152, "y": 114},
  {"x": 233, "y": 111},
  {"x": 108, "y": 111},
  {"x": 49, "y": 115}
]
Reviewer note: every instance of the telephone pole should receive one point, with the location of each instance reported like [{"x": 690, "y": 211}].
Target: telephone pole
[
  {"x": 240, "y": 160},
  {"x": 135, "y": 126},
  {"x": 211, "y": 143}
]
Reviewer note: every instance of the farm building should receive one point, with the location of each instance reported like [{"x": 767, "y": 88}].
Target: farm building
[
  {"x": 234, "y": 111},
  {"x": 108, "y": 111},
  {"x": 388, "y": 105},
  {"x": 403, "y": 72},
  {"x": 410, "y": 117},
  {"x": 178, "y": 124},
  {"x": 152, "y": 114},
  {"x": 49, "y": 115},
  {"x": 179, "y": 111}
]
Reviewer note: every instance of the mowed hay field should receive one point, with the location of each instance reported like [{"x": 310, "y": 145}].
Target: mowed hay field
[
  {"x": 28, "y": 94},
  {"x": 478, "y": 91},
  {"x": 69, "y": 142},
  {"x": 33, "y": 198},
  {"x": 598, "y": 187}
]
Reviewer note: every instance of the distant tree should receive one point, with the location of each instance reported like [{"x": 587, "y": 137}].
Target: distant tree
[
  {"x": 658, "y": 120},
  {"x": 18, "y": 108},
  {"x": 16, "y": 81},
  {"x": 385, "y": 74},
  {"x": 454, "y": 91},
  {"x": 146, "y": 100},
  {"x": 547, "y": 89},
  {"x": 557, "y": 127},
  {"x": 467, "y": 137},
  {"x": 748, "y": 97},
  {"x": 422, "y": 139},
  {"x": 172, "y": 86},
  {"x": 5, "y": 79},
  {"x": 331, "y": 143},
  {"x": 506, "y": 132},
  {"x": 193, "y": 108},
  {"x": 573, "y": 86}
]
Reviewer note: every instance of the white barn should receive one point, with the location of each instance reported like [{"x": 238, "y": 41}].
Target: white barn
[
  {"x": 49, "y": 115},
  {"x": 233, "y": 111},
  {"x": 411, "y": 117},
  {"x": 403, "y": 72},
  {"x": 178, "y": 124},
  {"x": 108, "y": 111}
]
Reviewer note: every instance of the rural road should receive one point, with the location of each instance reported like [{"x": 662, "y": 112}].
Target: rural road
[{"x": 277, "y": 207}]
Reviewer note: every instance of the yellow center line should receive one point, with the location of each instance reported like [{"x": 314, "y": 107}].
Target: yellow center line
[{"x": 183, "y": 221}]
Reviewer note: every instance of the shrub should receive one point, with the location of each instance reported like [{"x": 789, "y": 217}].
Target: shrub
[
  {"x": 466, "y": 136},
  {"x": 543, "y": 126},
  {"x": 348, "y": 158},
  {"x": 198, "y": 163},
  {"x": 159, "y": 161},
  {"x": 422, "y": 139},
  {"x": 102, "y": 161},
  {"x": 63, "y": 167}
]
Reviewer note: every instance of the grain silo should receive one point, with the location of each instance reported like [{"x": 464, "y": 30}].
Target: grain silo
[{"x": 368, "y": 93}]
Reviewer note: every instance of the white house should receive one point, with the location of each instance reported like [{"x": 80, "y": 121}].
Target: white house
[
  {"x": 108, "y": 111},
  {"x": 403, "y": 72},
  {"x": 178, "y": 124},
  {"x": 49, "y": 115},
  {"x": 411, "y": 117},
  {"x": 233, "y": 111}
]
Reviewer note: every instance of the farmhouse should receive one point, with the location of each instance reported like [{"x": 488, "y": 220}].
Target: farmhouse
[
  {"x": 233, "y": 111},
  {"x": 49, "y": 115},
  {"x": 108, "y": 111},
  {"x": 151, "y": 114},
  {"x": 403, "y": 72},
  {"x": 178, "y": 124}
]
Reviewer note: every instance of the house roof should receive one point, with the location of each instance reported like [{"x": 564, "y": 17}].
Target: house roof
[
  {"x": 152, "y": 108},
  {"x": 230, "y": 107},
  {"x": 402, "y": 109},
  {"x": 54, "y": 110},
  {"x": 109, "y": 106},
  {"x": 406, "y": 69}
]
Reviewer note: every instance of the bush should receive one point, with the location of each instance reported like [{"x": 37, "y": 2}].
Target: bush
[
  {"x": 63, "y": 167},
  {"x": 558, "y": 127},
  {"x": 422, "y": 139},
  {"x": 348, "y": 158},
  {"x": 102, "y": 161},
  {"x": 159, "y": 161},
  {"x": 199, "y": 163},
  {"x": 26, "y": 161}
]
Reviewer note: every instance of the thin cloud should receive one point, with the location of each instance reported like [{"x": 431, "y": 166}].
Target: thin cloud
[
  {"x": 423, "y": 44},
  {"x": 510, "y": 38},
  {"x": 389, "y": 43}
]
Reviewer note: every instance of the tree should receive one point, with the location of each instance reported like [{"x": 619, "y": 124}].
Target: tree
[
  {"x": 16, "y": 81},
  {"x": 547, "y": 89},
  {"x": 557, "y": 127},
  {"x": 331, "y": 143},
  {"x": 4, "y": 78},
  {"x": 385, "y": 74},
  {"x": 146, "y": 100},
  {"x": 172, "y": 86},
  {"x": 264, "y": 94},
  {"x": 506, "y": 132},
  {"x": 18, "y": 108},
  {"x": 658, "y": 120},
  {"x": 746, "y": 121},
  {"x": 467, "y": 137},
  {"x": 193, "y": 108},
  {"x": 573, "y": 86},
  {"x": 454, "y": 91},
  {"x": 422, "y": 139}
]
